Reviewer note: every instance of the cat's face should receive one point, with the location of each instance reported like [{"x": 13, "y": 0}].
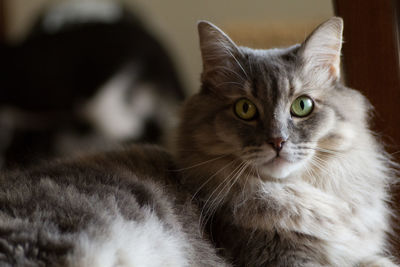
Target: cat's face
[{"x": 273, "y": 109}]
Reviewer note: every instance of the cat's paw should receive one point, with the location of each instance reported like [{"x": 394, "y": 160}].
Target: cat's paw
[{"x": 378, "y": 261}]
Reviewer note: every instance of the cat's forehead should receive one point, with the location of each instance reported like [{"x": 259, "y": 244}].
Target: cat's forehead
[
  {"x": 277, "y": 74},
  {"x": 271, "y": 73},
  {"x": 275, "y": 58}
]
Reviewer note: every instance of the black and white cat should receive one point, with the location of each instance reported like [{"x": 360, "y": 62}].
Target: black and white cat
[{"x": 88, "y": 75}]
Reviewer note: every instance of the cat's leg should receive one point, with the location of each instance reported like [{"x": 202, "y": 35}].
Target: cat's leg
[{"x": 377, "y": 261}]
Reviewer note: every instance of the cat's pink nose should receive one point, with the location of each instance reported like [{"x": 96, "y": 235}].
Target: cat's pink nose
[{"x": 277, "y": 143}]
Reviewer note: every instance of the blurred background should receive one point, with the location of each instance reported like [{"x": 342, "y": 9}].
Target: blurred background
[
  {"x": 255, "y": 23},
  {"x": 88, "y": 75}
]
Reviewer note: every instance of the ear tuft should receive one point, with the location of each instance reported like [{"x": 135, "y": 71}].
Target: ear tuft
[
  {"x": 321, "y": 50},
  {"x": 216, "y": 47}
]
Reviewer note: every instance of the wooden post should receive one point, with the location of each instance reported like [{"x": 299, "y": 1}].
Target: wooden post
[
  {"x": 371, "y": 65},
  {"x": 2, "y": 21}
]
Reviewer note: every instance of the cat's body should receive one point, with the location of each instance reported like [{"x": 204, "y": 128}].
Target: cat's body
[
  {"x": 117, "y": 209},
  {"x": 280, "y": 153}
]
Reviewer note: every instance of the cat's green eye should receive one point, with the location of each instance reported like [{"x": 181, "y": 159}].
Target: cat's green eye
[
  {"x": 302, "y": 106},
  {"x": 245, "y": 109}
]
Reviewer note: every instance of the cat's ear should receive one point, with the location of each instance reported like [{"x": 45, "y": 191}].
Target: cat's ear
[
  {"x": 321, "y": 50},
  {"x": 218, "y": 51}
]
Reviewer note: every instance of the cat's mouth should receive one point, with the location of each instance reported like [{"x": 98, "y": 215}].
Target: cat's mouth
[
  {"x": 277, "y": 160},
  {"x": 269, "y": 159},
  {"x": 278, "y": 167},
  {"x": 270, "y": 163},
  {"x": 276, "y": 163}
]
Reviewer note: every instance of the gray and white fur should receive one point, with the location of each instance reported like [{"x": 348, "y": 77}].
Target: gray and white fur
[
  {"x": 319, "y": 196},
  {"x": 122, "y": 209}
]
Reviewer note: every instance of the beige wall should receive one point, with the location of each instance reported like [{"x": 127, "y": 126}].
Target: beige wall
[{"x": 175, "y": 21}]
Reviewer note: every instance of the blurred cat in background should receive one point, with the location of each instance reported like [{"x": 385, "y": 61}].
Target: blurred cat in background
[{"x": 88, "y": 76}]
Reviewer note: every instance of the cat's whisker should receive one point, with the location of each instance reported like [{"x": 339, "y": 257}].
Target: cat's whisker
[
  {"x": 203, "y": 213},
  {"x": 252, "y": 157},
  {"x": 318, "y": 160},
  {"x": 201, "y": 163},
  {"x": 226, "y": 180},
  {"x": 255, "y": 155},
  {"x": 252, "y": 149},
  {"x": 317, "y": 164},
  {"x": 321, "y": 160},
  {"x": 310, "y": 172},
  {"x": 210, "y": 178},
  {"x": 233, "y": 178},
  {"x": 330, "y": 150},
  {"x": 333, "y": 153},
  {"x": 237, "y": 177},
  {"x": 258, "y": 175},
  {"x": 326, "y": 155},
  {"x": 249, "y": 174},
  {"x": 218, "y": 199}
]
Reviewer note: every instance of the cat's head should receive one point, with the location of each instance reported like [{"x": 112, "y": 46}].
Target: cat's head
[{"x": 272, "y": 110}]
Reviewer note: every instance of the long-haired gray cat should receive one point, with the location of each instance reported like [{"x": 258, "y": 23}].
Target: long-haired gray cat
[
  {"x": 280, "y": 153},
  {"x": 274, "y": 150}
]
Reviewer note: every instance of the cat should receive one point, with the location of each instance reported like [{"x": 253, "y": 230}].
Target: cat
[
  {"x": 280, "y": 154},
  {"x": 123, "y": 208},
  {"x": 88, "y": 76}
]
